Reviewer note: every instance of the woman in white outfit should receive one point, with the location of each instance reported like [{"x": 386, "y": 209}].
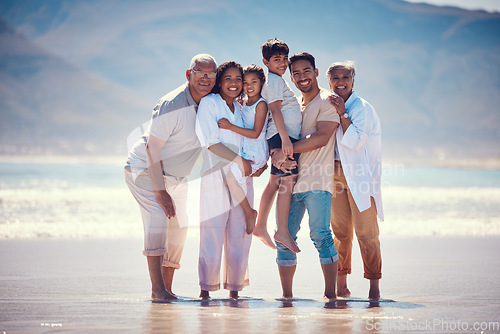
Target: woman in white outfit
[
  {"x": 222, "y": 221},
  {"x": 254, "y": 147}
]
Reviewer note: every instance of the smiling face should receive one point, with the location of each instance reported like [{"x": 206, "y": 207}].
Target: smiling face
[
  {"x": 251, "y": 85},
  {"x": 231, "y": 83},
  {"x": 201, "y": 86},
  {"x": 304, "y": 76},
  {"x": 277, "y": 64},
  {"x": 341, "y": 82}
]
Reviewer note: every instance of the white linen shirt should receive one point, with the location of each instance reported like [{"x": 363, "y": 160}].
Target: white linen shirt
[
  {"x": 360, "y": 150},
  {"x": 211, "y": 109},
  {"x": 173, "y": 120}
]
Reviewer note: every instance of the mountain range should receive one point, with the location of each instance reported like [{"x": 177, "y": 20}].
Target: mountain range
[{"x": 80, "y": 77}]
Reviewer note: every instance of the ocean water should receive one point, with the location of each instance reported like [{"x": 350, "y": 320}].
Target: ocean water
[{"x": 71, "y": 200}]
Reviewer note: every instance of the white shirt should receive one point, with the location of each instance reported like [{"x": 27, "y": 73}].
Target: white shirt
[
  {"x": 276, "y": 89},
  {"x": 211, "y": 109},
  {"x": 173, "y": 120},
  {"x": 360, "y": 152}
]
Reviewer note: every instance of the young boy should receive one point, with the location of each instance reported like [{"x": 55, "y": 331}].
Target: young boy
[{"x": 282, "y": 130}]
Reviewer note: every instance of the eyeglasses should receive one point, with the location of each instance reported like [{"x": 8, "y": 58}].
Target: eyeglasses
[{"x": 201, "y": 74}]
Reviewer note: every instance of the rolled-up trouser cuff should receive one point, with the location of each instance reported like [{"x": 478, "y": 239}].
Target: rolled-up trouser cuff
[
  {"x": 373, "y": 276},
  {"x": 208, "y": 287},
  {"x": 167, "y": 263},
  {"x": 154, "y": 252},
  {"x": 344, "y": 271},
  {"x": 329, "y": 260},
  {"x": 232, "y": 287},
  {"x": 286, "y": 263}
]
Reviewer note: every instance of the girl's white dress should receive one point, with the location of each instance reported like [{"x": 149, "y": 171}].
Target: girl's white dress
[{"x": 256, "y": 150}]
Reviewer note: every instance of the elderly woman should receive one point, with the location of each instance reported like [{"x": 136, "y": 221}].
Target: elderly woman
[
  {"x": 222, "y": 220},
  {"x": 357, "y": 199}
]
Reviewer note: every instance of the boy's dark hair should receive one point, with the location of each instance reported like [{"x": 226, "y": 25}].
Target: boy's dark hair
[
  {"x": 220, "y": 72},
  {"x": 273, "y": 47},
  {"x": 259, "y": 71},
  {"x": 302, "y": 56}
]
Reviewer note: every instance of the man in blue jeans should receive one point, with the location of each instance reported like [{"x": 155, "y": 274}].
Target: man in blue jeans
[{"x": 314, "y": 188}]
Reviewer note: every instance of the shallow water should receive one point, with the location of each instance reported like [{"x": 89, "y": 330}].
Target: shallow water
[{"x": 92, "y": 201}]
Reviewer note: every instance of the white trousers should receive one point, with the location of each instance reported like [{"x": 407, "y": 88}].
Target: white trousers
[
  {"x": 222, "y": 226},
  {"x": 162, "y": 236}
]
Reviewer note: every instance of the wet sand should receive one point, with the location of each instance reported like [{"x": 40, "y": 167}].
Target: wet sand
[{"x": 431, "y": 284}]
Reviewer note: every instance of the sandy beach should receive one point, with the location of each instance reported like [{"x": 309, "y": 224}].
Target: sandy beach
[{"x": 430, "y": 284}]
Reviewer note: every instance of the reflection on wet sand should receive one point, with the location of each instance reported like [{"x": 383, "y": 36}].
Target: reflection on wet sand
[{"x": 249, "y": 315}]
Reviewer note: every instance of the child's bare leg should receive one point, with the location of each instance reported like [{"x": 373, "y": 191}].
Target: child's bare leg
[
  {"x": 266, "y": 203},
  {"x": 282, "y": 208},
  {"x": 342, "y": 290},
  {"x": 239, "y": 195}
]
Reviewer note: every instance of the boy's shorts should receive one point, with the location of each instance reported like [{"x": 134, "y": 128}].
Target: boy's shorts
[{"x": 275, "y": 142}]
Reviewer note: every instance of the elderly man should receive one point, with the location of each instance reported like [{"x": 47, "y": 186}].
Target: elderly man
[
  {"x": 357, "y": 199},
  {"x": 314, "y": 188},
  {"x": 157, "y": 169}
]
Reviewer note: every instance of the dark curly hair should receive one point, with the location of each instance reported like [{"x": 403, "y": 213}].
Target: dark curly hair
[{"x": 220, "y": 72}]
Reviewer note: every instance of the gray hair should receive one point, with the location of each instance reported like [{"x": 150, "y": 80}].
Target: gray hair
[
  {"x": 347, "y": 65},
  {"x": 202, "y": 58}
]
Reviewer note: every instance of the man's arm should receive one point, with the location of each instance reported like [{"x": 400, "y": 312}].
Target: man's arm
[
  {"x": 155, "y": 171},
  {"x": 318, "y": 139}
]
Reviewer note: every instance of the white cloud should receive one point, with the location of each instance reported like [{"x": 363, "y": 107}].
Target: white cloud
[{"x": 488, "y": 5}]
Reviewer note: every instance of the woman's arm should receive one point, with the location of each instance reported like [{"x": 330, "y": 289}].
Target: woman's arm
[
  {"x": 339, "y": 104},
  {"x": 224, "y": 152},
  {"x": 357, "y": 127},
  {"x": 260, "y": 120}
]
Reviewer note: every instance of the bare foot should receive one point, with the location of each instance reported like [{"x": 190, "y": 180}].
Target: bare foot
[
  {"x": 233, "y": 294},
  {"x": 204, "y": 294},
  {"x": 374, "y": 294},
  {"x": 262, "y": 234},
  {"x": 331, "y": 296},
  {"x": 342, "y": 290},
  {"x": 344, "y": 293},
  {"x": 250, "y": 220},
  {"x": 287, "y": 241},
  {"x": 162, "y": 296}
]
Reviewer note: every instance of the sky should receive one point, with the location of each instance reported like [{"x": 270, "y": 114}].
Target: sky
[{"x": 488, "y": 5}]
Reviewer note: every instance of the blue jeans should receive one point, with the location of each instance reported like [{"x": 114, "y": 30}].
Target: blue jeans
[{"x": 318, "y": 205}]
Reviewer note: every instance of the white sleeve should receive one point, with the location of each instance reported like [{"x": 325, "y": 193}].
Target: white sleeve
[
  {"x": 357, "y": 133},
  {"x": 207, "y": 129},
  {"x": 274, "y": 89}
]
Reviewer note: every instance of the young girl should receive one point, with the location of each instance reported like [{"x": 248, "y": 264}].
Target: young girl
[{"x": 254, "y": 145}]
